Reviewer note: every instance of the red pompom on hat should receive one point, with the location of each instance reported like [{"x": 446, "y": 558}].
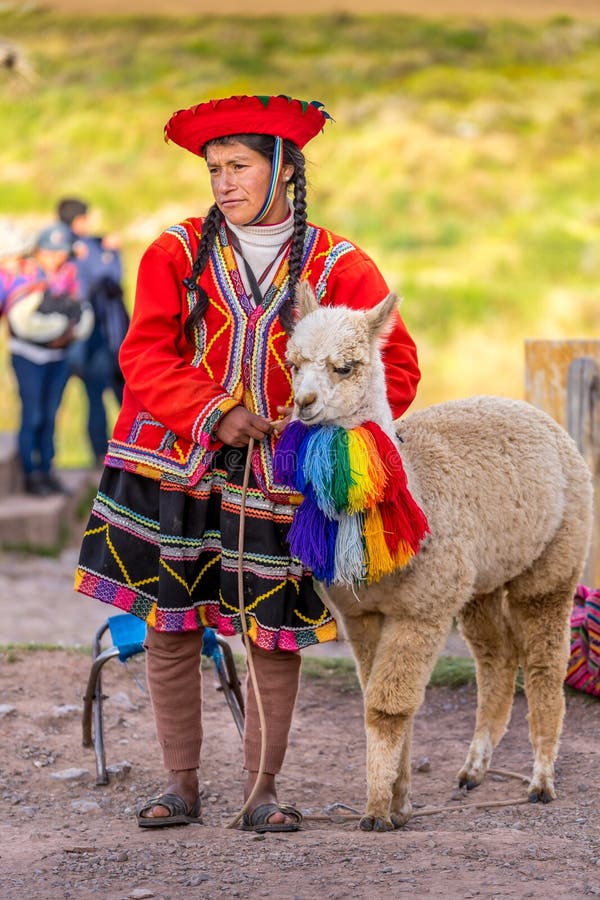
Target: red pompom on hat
[{"x": 281, "y": 116}]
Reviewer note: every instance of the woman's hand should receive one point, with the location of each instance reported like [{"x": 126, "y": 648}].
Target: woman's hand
[
  {"x": 286, "y": 413},
  {"x": 239, "y": 425}
]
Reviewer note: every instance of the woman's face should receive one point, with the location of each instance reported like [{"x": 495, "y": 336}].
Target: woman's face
[{"x": 239, "y": 178}]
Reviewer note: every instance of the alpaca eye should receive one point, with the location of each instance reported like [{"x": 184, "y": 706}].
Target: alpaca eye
[{"x": 343, "y": 370}]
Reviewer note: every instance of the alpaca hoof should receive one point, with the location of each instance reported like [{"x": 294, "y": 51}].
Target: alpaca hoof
[
  {"x": 399, "y": 820},
  {"x": 469, "y": 782},
  {"x": 541, "y": 796},
  {"x": 541, "y": 790},
  {"x": 374, "y": 823}
]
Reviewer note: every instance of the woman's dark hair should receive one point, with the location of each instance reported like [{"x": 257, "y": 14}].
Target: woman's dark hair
[{"x": 292, "y": 155}]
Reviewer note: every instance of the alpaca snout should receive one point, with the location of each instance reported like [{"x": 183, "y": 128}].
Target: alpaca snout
[
  {"x": 306, "y": 400},
  {"x": 307, "y": 406}
]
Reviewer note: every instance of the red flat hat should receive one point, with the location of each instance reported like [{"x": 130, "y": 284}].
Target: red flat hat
[{"x": 293, "y": 120}]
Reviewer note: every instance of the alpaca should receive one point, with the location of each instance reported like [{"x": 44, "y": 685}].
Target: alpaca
[{"x": 509, "y": 505}]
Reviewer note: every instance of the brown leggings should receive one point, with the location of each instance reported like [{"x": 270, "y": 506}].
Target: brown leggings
[{"x": 174, "y": 682}]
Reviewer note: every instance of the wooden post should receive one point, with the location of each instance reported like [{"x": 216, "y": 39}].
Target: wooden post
[
  {"x": 583, "y": 424},
  {"x": 563, "y": 378}
]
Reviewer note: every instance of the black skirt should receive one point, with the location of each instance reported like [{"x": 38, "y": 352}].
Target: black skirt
[{"x": 168, "y": 553}]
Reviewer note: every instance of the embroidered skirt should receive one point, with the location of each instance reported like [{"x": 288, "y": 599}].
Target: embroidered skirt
[{"x": 168, "y": 553}]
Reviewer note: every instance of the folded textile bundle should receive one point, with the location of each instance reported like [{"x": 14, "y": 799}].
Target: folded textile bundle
[{"x": 583, "y": 672}]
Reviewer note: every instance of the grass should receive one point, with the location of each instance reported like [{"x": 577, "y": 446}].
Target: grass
[
  {"x": 463, "y": 158},
  {"x": 338, "y": 671},
  {"x": 11, "y": 652},
  {"x": 453, "y": 672},
  {"x": 449, "y": 671}
]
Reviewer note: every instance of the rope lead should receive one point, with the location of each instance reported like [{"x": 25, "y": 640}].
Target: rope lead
[{"x": 247, "y": 642}]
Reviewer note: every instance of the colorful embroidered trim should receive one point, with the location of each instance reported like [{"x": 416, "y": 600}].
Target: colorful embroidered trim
[
  {"x": 162, "y": 452},
  {"x": 358, "y": 520},
  {"x": 201, "y": 615}
]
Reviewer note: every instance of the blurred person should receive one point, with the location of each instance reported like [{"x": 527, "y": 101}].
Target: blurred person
[
  {"x": 45, "y": 314},
  {"x": 15, "y": 258},
  {"x": 96, "y": 360},
  {"x": 205, "y": 371}
]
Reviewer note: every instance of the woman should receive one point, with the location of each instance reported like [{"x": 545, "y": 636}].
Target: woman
[{"x": 204, "y": 365}]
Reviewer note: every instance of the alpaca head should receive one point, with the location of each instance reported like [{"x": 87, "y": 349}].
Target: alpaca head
[{"x": 337, "y": 373}]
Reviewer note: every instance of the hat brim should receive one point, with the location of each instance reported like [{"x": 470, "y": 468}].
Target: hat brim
[{"x": 284, "y": 117}]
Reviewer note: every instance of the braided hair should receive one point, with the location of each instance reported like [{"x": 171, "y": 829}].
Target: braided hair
[
  {"x": 292, "y": 155},
  {"x": 210, "y": 227}
]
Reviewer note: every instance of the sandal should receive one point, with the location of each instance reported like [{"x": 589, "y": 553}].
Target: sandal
[
  {"x": 258, "y": 819},
  {"x": 179, "y": 812}
]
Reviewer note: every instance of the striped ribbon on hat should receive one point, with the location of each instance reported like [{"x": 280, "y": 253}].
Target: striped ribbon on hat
[{"x": 276, "y": 167}]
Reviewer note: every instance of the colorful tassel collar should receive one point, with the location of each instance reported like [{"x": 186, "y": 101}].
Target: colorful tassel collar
[{"x": 358, "y": 520}]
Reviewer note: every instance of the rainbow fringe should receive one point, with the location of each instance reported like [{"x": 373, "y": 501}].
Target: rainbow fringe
[{"x": 357, "y": 521}]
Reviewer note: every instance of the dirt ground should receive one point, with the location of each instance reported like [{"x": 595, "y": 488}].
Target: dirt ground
[{"x": 62, "y": 836}]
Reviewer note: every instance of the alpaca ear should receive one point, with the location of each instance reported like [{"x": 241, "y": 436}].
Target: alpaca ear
[
  {"x": 379, "y": 316},
  {"x": 306, "y": 302}
]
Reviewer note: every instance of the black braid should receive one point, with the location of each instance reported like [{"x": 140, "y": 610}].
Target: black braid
[
  {"x": 210, "y": 227},
  {"x": 286, "y": 313}
]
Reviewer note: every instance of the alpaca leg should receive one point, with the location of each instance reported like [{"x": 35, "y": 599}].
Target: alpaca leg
[
  {"x": 394, "y": 691},
  {"x": 388, "y": 746},
  {"x": 493, "y": 647},
  {"x": 401, "y": 804},
  {"x": 364, "y": 633},
  {"x": 543, "y": 633}
]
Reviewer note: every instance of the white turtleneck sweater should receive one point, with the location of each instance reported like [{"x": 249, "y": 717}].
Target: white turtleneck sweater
[{"x": 259, "y": 245}]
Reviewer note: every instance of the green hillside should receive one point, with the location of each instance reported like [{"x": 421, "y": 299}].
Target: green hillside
[{"x": 463, "y": 158}]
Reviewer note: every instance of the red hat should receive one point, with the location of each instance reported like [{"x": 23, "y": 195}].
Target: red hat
[{"x": 281, "y": 116}]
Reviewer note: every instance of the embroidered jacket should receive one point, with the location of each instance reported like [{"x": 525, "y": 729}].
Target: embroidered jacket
[{"x": 175, "y": 393}]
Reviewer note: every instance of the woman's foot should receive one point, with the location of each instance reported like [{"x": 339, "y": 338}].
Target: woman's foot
[
  {"x": 185, "y": 785},
  {"x": 266, "y": 793}
]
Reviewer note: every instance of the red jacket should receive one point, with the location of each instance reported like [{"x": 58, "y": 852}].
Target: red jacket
[{"x": 176, "y": 393}]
